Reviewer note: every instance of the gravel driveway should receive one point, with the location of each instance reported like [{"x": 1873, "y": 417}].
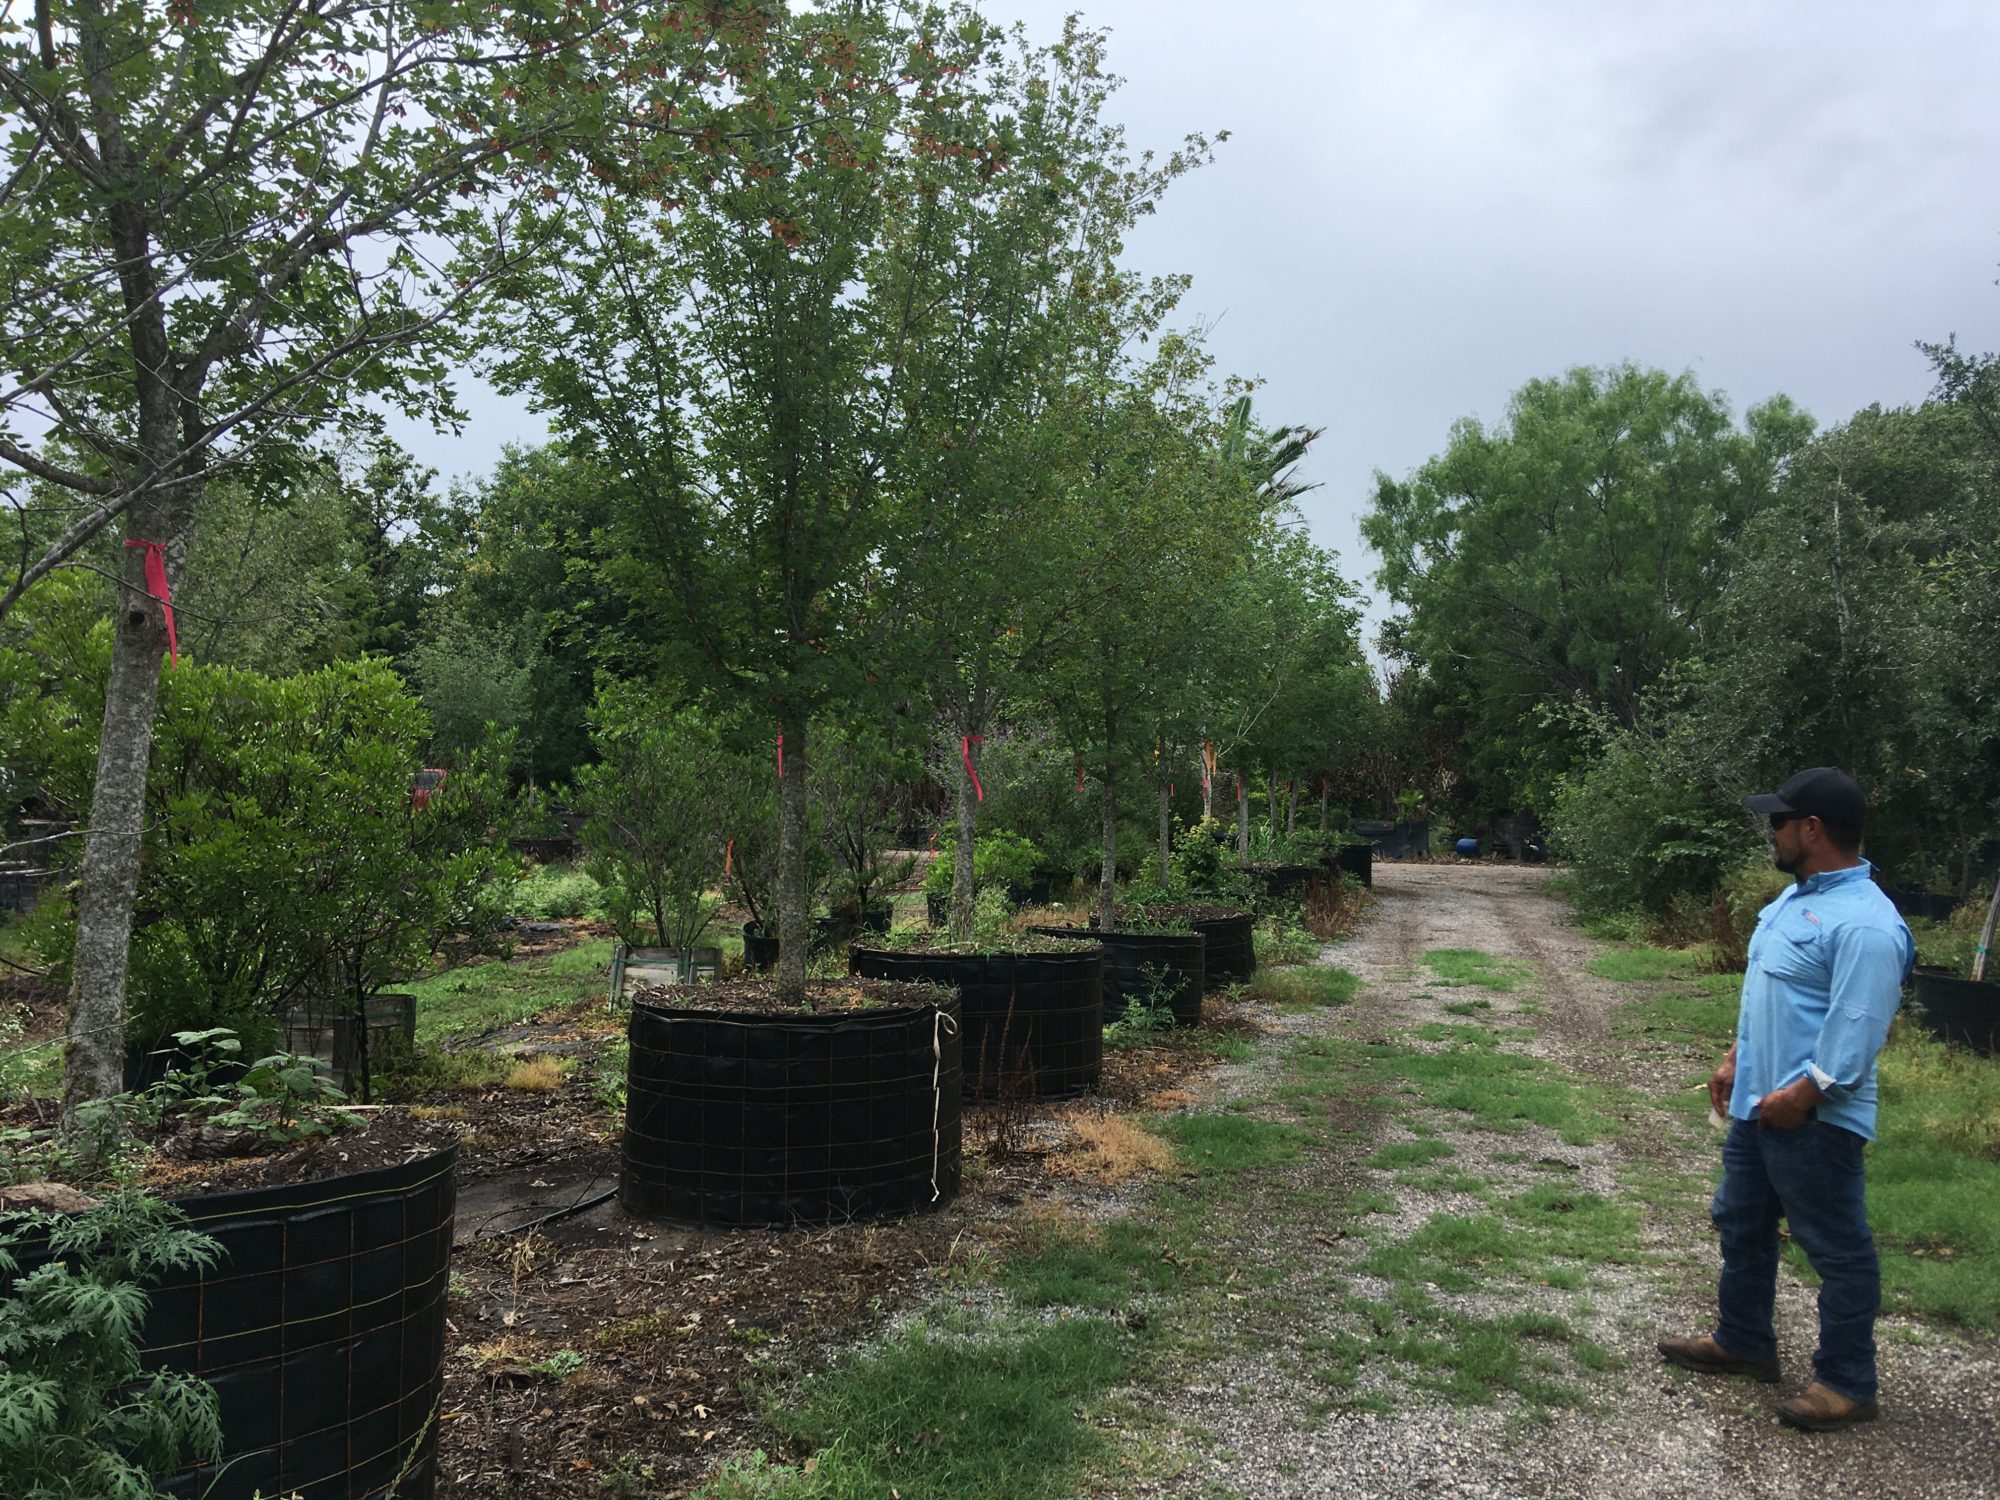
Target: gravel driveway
[{"x": 1250, "y": 1422}]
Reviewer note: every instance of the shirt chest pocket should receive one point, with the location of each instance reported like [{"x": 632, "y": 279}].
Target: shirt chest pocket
[{"x": 1797, "y": 954}]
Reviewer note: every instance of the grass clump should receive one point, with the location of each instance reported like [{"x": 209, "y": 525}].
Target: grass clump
[
  {"x": 1231, "y": 1143},
  {"x": 1642, "y": 965},
  {"x": 1305, "y": 988},
  {"x": 949, "y": 1415},
  {"x": 536, "y": 1075},
  {"x": 1461, "y": 966},
  {"x": 1101, "y": 1267},
  {"x": 1399, "y": 1154}
]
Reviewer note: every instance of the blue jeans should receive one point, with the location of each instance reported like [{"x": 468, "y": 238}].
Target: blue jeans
[{"x": 1811, "y": 1177}]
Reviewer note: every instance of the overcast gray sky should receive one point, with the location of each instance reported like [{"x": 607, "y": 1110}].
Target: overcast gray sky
[{"x": 1424, "y": 205}]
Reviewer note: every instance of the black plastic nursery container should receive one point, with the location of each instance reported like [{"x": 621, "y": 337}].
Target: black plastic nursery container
[
  {"x": 739, "y": 1119},
  {"x": 1284, "y": 882},
  {"x": 760, "y": 950},
  {"x": 1357, "y": 860},
  {"x": 322, "y": 1329},
  {"x": 1033, "y": 1021},
  {"x": 1138, "y": 963},
  {"x": 1230, "y": 953},
  {"x": 1958, "y": 1010}
]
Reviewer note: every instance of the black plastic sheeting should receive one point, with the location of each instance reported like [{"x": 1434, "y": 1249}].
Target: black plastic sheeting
[
  {"x": 1034, "y": 1022},
  {"x": 1960, "y": 1010},
  {"x": 322, "y": 1329},
  {"x": 1231, "y": 952},
  {"x": 741, "y": 1119},
  {"x": 1137, "y": 964}
]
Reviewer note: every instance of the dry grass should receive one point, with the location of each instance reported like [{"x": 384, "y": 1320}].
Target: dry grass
[
  {"x": 1333, "y": 908},
  {"x": 537, "y": 1075},
  {"x": 1110, "y": 1149}
]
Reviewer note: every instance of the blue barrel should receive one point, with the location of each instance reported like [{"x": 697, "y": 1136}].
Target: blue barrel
[{"x": 1467, "y": 848}]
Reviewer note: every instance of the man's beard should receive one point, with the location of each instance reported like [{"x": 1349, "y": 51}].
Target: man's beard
[{"x": 1788, "y": 863}]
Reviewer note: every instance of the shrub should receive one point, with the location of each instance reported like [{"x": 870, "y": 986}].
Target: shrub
[
  {"x": 1641, "y": 831},
  {"x": 283, "y": 859},
  {"x": 999, "y": 858},
  {"x": 557, "y": 893}
]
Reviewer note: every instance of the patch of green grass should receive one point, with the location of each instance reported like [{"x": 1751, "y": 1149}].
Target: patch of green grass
[
  {"x": 1397, "y": 1154},
  {"x": 1702, "y": 1013},
  {"x": 1227, "y": 1046},
  {"x": 1231, "y": 1143},
  {"x": 1302, "y": 988},
  {"x": 1497, "y": 1090},
  {"x": 948, "y": 1414},
  {"x": 490, "y": 996},
  {"x": 1369, "y": 1201},
  {"x": 1642, "y": 965},
  {"x": 1934, "y": 1181},
  {"x": 1445, "y": 1031},
  {"x": 1097, "y": 1267},
  {"x": 1463, "y": 1359},
  {"x": 1467, "y": 1007},
  {"x": 1458, "y": 966}
]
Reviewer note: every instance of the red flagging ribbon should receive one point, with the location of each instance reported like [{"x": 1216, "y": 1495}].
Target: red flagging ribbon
[
  {"x": 1079, "y": 769},
  {"x": 781, "y": 757},
  {"x": 728, "y": 859},
  {"x": 965, "y": 744},
  {"x": 156, "y": 585}
]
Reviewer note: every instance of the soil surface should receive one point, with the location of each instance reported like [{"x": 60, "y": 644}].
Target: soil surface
[
  {"x": 1254, "y": 1424},
  {"x": 759, "y": 997}
]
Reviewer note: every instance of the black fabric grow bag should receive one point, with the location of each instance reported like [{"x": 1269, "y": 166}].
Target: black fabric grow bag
[
  {"x": 1135, "y": 963},
  {"x": 1357, "y": 860},
  {"x": 1230, "y": 954},
  {"x": 759, "y": 951},
  {"x": 1960, "y": 1010},
  {"x": 322, "y": 1329},
  {"x": 747, "y": 1119},
  {"x": 1033, "y": 1021}
]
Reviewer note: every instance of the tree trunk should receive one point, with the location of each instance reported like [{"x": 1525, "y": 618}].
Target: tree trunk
[
  {"x": 1242, "y": 817},
  {"x": 1292, "y": 808},
  {"x": 1166, "y": 833},
  {"x": 793, "y": 898},
  {"x": 961, "y": 857},
  {"x": 1271, "y": 800},
  {"x": 94, "y": 1054},
  {"x": 1107, "y": 879},
  {"x": 1325, "y": 806}
]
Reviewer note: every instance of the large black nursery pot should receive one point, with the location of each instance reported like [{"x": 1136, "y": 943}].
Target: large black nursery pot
[
  {"x": 1229, "y": 954},
  {"x": 1357, "y": 860},
  {"x": 760, "y": 950},
  {"x": 1156, "y": 966},
  {"x": 321, "y": 1328},
  {"x": 1034, "y": 1022},
  {"x": 1965, "y": 1011},
  {"x": 750, "y": 1119}
]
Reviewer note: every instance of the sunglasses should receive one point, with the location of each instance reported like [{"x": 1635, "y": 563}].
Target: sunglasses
[{"x": 1779, "y": 820}]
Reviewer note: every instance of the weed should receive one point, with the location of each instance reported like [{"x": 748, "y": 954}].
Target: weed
[
  {"x": 1460, "y": 966},
  {"x": 558, "y": 1366},
  {"x": 1280, "y": 940},
  {"x": 556, "y": 892},
  {"x": 1111, "y": 1149}
]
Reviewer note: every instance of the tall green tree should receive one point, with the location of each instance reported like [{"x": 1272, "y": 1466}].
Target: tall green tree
[
  {"x": 1576, "y": 550},
  {"x": 752, "y": 358},
  {"x": 217, "y": 235}
]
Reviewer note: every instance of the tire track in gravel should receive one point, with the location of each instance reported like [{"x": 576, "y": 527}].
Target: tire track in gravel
[{"x": 1247, "y": 1416}]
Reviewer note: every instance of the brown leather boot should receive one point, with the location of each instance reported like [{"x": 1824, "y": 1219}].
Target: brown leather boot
[
  {"x": 1817, "y": 1409},
  {"x": 1706, "y": 1357}
]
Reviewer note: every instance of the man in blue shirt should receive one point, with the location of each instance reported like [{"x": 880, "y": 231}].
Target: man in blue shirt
[{"x": 1825, "y": 974}]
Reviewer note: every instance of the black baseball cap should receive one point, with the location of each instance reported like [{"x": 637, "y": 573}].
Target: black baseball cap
[{"x": 1822, "y": 792}]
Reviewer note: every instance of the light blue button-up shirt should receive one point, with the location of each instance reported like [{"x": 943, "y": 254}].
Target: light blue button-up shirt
[{"x": 1827, "y": 964}]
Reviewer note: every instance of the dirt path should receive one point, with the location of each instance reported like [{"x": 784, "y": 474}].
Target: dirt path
[{"x": 1259, "y": 1419}]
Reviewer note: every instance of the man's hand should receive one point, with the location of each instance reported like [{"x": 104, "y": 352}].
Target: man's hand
[
  {"x": 1721, "y": 1083},
  {"x": 1787, "y": 1108}
]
